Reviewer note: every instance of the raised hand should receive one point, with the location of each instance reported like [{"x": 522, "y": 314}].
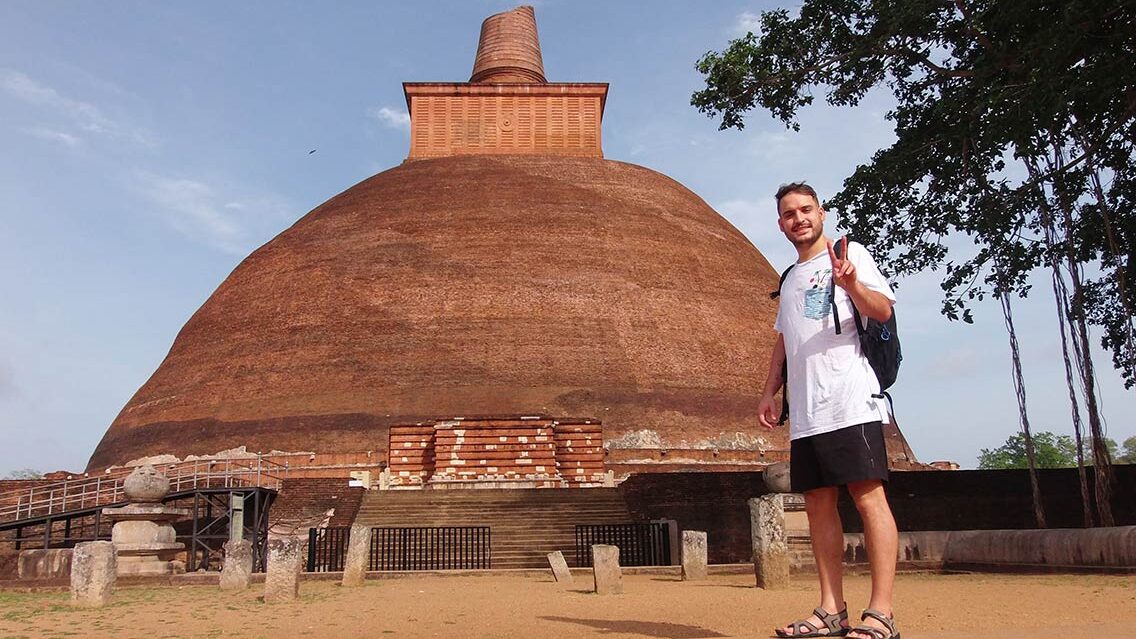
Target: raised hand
[{"x": 843, "y": 270}]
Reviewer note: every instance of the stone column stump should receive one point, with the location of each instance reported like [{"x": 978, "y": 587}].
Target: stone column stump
[
  {"x": 559, "y": 567},
  {"x": 285, "y": 562},
  {"x": 358, "y": 556},
  {"x": 93, "y": 572},
  {"x": 770, "y": 550},
  {"x": 605, "y": 570},
  {"x": 693, "y": 555},
  {"x": 236, "y": 569}
]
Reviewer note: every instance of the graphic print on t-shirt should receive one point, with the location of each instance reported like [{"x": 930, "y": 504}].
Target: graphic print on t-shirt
[{"x": 818, "y": 297}]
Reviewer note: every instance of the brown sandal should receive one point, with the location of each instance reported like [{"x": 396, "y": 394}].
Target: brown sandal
[
  {"x": 832, "y": 625},
  {"x": 877, "y": 633}
]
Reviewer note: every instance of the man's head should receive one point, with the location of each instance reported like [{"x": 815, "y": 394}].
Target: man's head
[{"x": 799, "y": 214}]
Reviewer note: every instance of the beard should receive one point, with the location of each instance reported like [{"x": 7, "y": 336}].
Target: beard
[{"x": 809, "y": 238}]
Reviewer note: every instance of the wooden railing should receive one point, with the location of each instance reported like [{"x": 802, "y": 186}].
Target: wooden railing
[{"x": 89, "y": 492}]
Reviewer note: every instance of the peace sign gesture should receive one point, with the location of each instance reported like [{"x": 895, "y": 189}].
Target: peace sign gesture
[{"x": 843, "y": 270}]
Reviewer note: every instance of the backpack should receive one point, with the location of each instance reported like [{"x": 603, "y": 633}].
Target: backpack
[{"x": 879, "y": 341}]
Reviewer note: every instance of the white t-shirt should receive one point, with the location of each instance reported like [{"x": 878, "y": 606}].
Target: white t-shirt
[{"x": 830, "y": 382}]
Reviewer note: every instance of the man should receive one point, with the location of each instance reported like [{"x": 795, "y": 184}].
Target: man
[{"x": 835, "y": 423}]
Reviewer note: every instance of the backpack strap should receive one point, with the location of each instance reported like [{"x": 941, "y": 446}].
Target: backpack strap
[
  {"x": 839, "y": 250},
  {"x": 784, "y": 274},
  {"x": 784, "y": 365}
]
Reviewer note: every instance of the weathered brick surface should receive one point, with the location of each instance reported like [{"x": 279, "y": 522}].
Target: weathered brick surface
[
  {"x": 509, "y": 49},
  {"x": 308, "y": 498},
  {"x": 921, "y": 500}
]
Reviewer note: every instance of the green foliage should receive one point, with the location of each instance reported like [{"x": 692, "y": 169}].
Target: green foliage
[
  {"x": 1128, "y": 455},
  {"x": 24, "y": 473},
  {"x": 1050, "y": 451},
  {"x": 1015, "y": 125}
]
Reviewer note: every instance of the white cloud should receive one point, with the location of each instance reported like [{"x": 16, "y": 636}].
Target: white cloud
[
  {"x": 778, "y": 145},
  {"x": 199, "y": 212},
  {"x": 83, "y": 115},
  {"x": 61, "y": 137},
  {"x": 390, "y": 118},
  {"x": 747, "y": 22}
]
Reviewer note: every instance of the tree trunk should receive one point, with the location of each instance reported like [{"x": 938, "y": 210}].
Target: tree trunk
[{"x": 1020, "y": 389}]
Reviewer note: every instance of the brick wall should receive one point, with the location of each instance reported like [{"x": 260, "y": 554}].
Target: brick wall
[
  {"x": 921, "y": 500},
  {"x": 308, "y": 499}
]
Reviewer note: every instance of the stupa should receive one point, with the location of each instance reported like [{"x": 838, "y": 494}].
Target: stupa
[{"x": 506, "y": 268}]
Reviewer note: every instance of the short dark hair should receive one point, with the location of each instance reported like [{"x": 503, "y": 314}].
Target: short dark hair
[{"x": 796, "y": 187}]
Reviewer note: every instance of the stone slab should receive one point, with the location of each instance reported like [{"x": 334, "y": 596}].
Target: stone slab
[
  {"x": 559, "y": 566},
  {"x": 605, "y": 570},
  {"x": 358, "y": 555},
  {"x": 693, "y": 555},
  {"x": 93, "y": 573},
  {"x": 286, "y": 556},
  {"x": 54, "y": 563},
  {"x": 236, "y": 569},
  {"x": 770, "y": 550}
]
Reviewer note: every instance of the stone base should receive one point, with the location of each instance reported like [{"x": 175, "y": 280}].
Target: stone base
[{"x": 132, "y": 566}]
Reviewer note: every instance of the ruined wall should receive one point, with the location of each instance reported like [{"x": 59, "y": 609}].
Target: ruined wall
[
  {"x": 307, "y": 501},
  {"x": 921, "y": 500}
]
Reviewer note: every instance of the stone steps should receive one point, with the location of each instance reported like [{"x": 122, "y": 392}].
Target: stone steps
[{"x": 525, "y": 525}]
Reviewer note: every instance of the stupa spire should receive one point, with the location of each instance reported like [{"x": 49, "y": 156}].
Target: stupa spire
[{"x": 509, "y": 49}]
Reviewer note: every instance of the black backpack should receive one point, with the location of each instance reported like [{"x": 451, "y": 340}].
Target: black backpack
[{"x": 879, "y": 341}]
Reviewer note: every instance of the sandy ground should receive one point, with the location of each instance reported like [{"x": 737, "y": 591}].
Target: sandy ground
[{"x": 652, "y": 606}]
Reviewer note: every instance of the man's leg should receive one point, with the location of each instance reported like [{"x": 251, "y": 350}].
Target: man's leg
[
  {"x": 882, "y": 541},
  {"x": 827, "y": 535}
]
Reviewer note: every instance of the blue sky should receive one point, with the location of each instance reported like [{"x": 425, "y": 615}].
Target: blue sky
[{"x": 148, "y": 147}]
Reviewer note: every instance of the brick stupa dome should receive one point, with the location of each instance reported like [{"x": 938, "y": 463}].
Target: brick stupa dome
[{"x": 511, "y": 272}]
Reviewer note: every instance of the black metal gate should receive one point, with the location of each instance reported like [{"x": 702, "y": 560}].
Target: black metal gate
[
  {"x": 639, "y": 544},
  {"x": 414, "y": 548}
]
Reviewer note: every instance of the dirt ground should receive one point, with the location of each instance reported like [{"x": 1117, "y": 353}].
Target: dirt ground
[{"x": 929, "y": 606}]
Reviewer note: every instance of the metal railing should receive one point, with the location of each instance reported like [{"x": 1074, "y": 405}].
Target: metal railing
[
  {"x": 105, "y": 489},
  {"x": 639, "y": 544},
  {"x": 410, "y": 548}
]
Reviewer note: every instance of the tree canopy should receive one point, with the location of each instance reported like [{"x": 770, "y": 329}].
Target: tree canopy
[
  {"x": 1050, "y": 451},
  {"x": 24, "y": 473},
  {"x": 1015, "y": 124},
  {"x": 1128, "y": 453}
]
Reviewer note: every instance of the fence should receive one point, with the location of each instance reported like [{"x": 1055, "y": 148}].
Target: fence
[
  {"x": 639, "y": 544},
  {"x": 414, "y": 548},
  {"x": 106, "y": 489}
]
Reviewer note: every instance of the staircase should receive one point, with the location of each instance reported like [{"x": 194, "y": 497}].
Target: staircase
[{"x": 525, "y": 525}]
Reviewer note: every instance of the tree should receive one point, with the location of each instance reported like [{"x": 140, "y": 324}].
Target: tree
[
  {"x": 1016, "y": 128},
  {"x": 24, "y": 473},
  {"x": 1128, "y": 456},
  {"x": 1050, "y": 451}
]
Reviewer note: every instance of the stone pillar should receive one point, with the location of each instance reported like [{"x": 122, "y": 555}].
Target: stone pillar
[
  {"x": 693, "y": 555},
  {"x": 93, "y": 572},
  {"x": 605, "y": 570},
  {"x": 285, "y": 561},
  {"x": 358, "y": 555},
  {"x": 559, "y": 567},
  {"x": 236, "y": 569},
  {"x": 770, "y": 550}
]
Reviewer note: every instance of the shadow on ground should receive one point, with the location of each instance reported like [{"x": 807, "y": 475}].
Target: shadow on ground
[{"x": 646, "y": 628}]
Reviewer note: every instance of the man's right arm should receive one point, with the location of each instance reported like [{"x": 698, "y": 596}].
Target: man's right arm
[{"x": 768, "y": 410}]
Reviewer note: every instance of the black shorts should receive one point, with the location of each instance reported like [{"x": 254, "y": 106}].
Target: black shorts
[{"x": 838, "y": 458}]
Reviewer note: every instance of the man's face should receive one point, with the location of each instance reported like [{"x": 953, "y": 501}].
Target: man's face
[{"x": 800, "y": 218}]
